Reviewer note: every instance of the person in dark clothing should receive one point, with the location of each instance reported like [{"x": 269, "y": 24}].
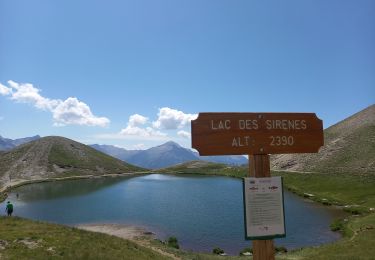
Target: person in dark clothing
[{"x": 9, "y": 208}]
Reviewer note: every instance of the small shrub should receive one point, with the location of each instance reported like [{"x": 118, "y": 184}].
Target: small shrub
[
  {"x": 159, "y": 241},
  {"x": 337, "y": 225},
  {"x": 173, "y": 242},
  {"x": 355, "y": 210},
  {"x": 246, "y": 250},
  {"x": 218, "y": 251},
  {"x": 281, "y": 249}
]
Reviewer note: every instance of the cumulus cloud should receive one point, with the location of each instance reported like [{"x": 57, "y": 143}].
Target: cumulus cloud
[
  {"x": 142, "y": 132},
  {"x": 68, "y": 112},
  {"x": 5, "y": 90},
  {"x": 184, "y": 134},
  {"x": 137, "y": 120},
  {"x": 169, "y": 118},
  {"x": 72, "y": 111},
  {"x": 134, "y": 128},
  {"x": 27, "y": 93}
]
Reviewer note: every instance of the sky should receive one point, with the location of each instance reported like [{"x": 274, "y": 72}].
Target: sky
[{"x": 134, "y": 73}]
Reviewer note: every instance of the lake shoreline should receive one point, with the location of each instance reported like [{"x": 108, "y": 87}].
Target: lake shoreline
[
  {"x": 307, "y": 250},
  {"x": 136, "y": 234},
  {"x": 128, "y": 193},
  {"x": 119, "y": 230},
  {"x": 15, "y": 184}
]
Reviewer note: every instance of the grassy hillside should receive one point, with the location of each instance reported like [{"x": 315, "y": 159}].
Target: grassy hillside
[
  {"x": 349, "y": 148},
  {"x": 25, "y": 239},
  {"x": 73, "y": 156},
  {"x": 206, "y": 168},
  {"x": 358, "y": 243},
  {"x": 57, "y": 157},
  {"x": 337, "y": 189}
]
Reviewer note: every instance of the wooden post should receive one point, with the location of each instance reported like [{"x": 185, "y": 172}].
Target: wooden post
[{"x": 259, "y": 166}]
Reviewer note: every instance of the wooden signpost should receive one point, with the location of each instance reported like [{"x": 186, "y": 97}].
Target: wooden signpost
[{"x": 258, "y": 135}]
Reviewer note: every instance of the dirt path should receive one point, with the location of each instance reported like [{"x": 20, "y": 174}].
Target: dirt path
[{"x": 135, "y": 234}]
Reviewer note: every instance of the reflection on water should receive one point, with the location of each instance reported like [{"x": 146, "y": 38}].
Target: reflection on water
[
  {"x": 64, "y": 188},
  {"x": 203, "y": 212}
]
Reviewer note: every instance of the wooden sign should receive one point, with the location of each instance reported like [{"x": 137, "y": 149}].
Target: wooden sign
[{"x": 256, "y": 133}]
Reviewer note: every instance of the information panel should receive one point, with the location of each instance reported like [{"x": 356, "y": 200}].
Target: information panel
[{"x": 264, "y": 208}]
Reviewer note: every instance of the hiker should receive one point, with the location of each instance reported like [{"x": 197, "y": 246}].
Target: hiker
[{"x": 9, "y": 208}]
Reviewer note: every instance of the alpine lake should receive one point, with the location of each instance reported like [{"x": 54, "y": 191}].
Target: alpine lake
[{"x": 203, "y": 212}]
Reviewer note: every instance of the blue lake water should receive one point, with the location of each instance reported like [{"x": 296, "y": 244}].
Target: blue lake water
[{"x": 203, "y": 212}]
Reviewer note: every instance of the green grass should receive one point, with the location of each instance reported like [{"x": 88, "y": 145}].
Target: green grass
[
  {"x": 207, "y": 168},
  {"x": 357, "y": 244},
  {"x": 338, "y": 189},
  {"x": 25, "y": 239},
  {"x": 191, "y": 255}
]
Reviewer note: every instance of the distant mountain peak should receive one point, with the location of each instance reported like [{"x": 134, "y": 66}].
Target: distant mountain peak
[
  {"x": 8, "y": 144},
  {"x": 164, "y": 155},
  {"x": 171, "y": 143}
]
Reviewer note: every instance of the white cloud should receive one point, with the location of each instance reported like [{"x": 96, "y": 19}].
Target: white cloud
[
  {"x": 140, "y": 127},
  {"x": 137, "y": 120},
  {"x": 169, "y": 118},
  {"x": 122, "y": 136},
  {"x": 68, "y": 112},
  {"x": 27, "y": 93},
  {"x": 184, "y": 134},
  {"x": 134, "y": 128},
  {"x": 142, "y": 132},
  {"x": 74, "y": 112},
  {"x": 5, "y": 90}
]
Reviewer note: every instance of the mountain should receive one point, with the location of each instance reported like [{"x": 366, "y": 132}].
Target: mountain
[
  {"x": 53, "y": 156},
  {"x": 226, "y": 159},
  {"x": 117, "y": 152},
  {"x": 349, "y": 147},
  {"x": 20, "y": 141},
  {"x": 8, "y": 144},
  {"x": 195, "y": 167},
  {"x": 164, "y": 155},
  {"x": 207, "y": 168}
]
